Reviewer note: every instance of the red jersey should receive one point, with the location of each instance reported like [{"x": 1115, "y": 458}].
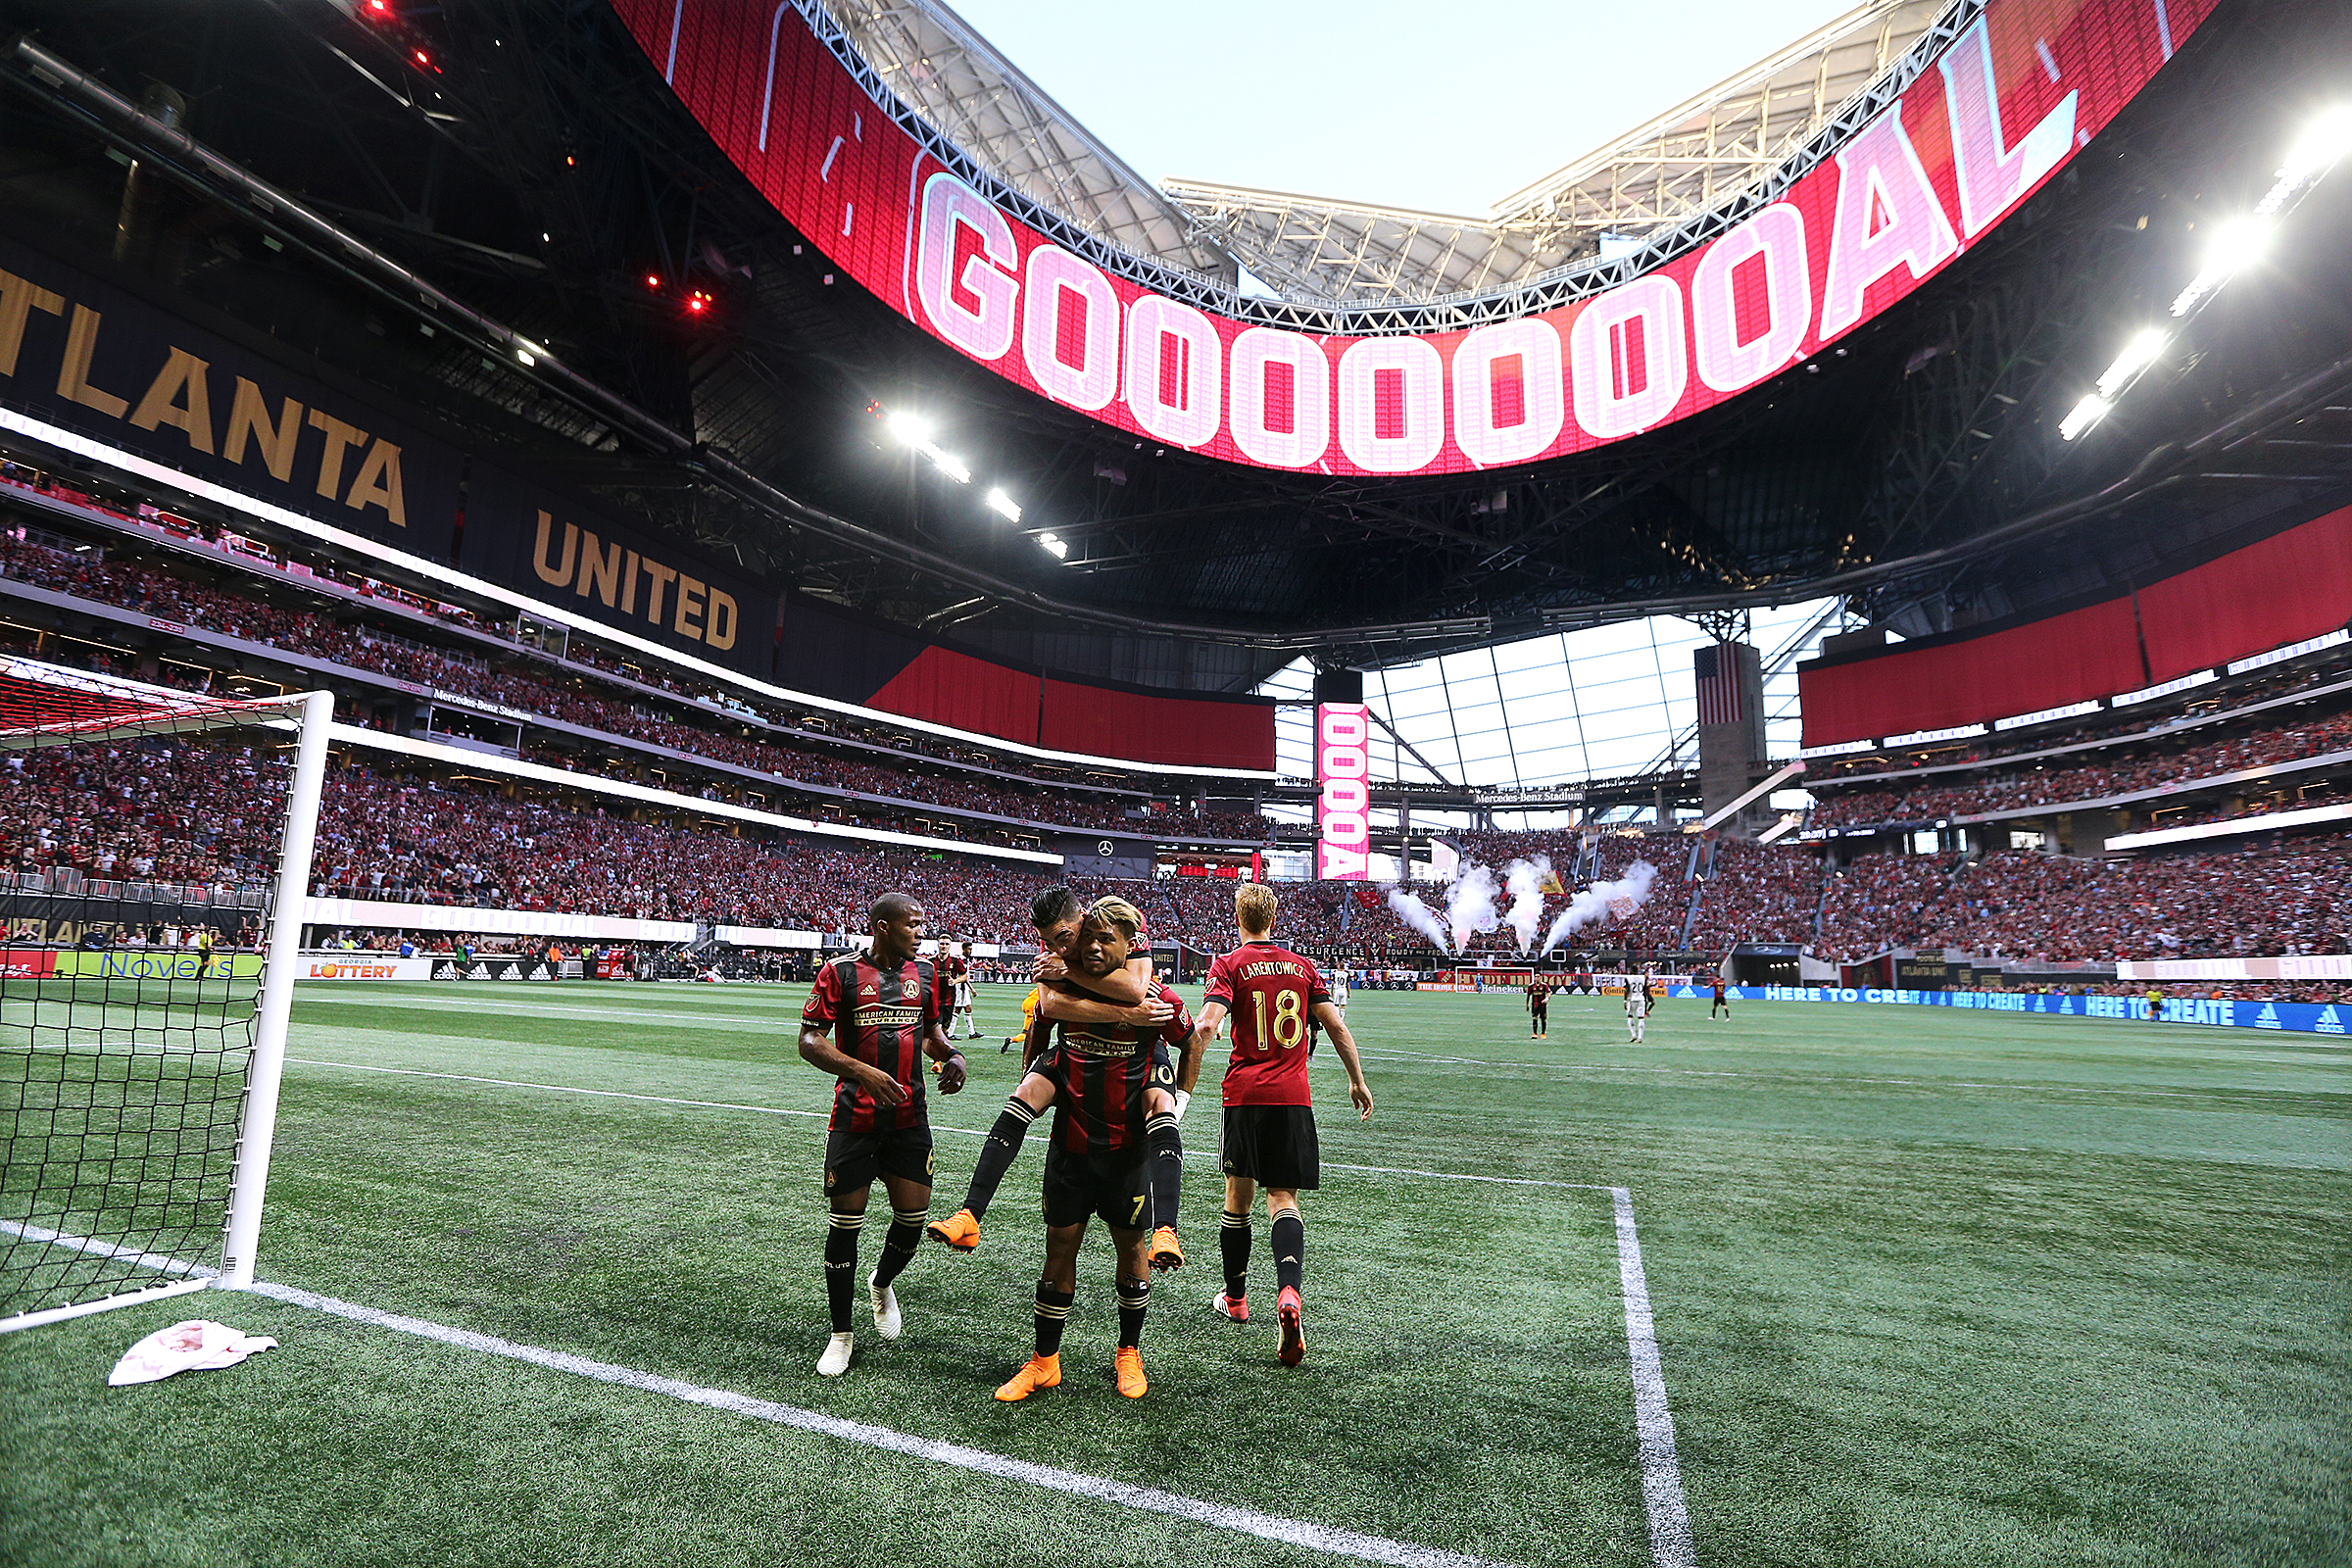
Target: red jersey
[
  {"x": 1271, "y": 992},
  {"x": 879, "y": 1017},
  {"x": 1103, "y": 1069}
]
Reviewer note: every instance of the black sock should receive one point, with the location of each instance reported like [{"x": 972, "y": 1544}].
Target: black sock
[
  {"x": 899, "y": 1242},
  {"x": 841, "y": 1267},
  {"x": 1134, "y": 1297},
  {"x": 1167, "y": 1167},
  {"x": 1290, "y": 1249},
  {"x": 1233, "y": 1238},
  {"x": 996, "y": 1154},
  {"x": 1052, "y": 1310}
]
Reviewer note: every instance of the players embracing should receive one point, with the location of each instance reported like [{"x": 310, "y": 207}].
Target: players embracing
[
  {"x": 1098, "y": 1159},
  {"x": 1276, "y": 1000}
]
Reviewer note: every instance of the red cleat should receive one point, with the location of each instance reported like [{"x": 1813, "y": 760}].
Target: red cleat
[
  {"x": 1285, "y": 1312},
  {"x": 1226, "y": 1306}
]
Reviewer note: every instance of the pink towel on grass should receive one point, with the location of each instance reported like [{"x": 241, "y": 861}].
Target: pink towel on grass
[{"x": 196, "y": 1345}]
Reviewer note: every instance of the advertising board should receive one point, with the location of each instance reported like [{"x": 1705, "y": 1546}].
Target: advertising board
[{"x": 2007, "y": 103}]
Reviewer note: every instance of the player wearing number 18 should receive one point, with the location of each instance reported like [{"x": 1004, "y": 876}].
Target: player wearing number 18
[{"x": 1277, "y": 1000}]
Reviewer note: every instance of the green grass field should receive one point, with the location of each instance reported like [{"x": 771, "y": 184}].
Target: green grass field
[{"x": 1929, "y": 1287}]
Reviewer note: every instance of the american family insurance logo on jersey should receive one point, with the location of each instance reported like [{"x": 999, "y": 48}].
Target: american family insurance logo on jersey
[{"x": 1343, "y": 801}]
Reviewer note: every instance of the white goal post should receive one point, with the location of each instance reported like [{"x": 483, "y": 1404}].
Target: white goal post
[{"x": 139, "y": 1081}]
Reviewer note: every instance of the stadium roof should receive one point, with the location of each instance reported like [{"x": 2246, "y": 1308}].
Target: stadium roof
[
  {"x": 1679, "y": 166},
  {"x": 539, "y": 169}
]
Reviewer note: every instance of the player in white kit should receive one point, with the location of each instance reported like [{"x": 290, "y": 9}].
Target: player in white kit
[{"x": 1637, "y": 1007}]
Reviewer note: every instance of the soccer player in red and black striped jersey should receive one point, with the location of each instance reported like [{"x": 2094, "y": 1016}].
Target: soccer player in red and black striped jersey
[
  {"x": 885, "y": 1004},
  {"x": 1125, "y": 995},
  {"x": 1276, "y": 1001},
  {"x": 1096, "y": 1162},
  {"x": 1539, "y": 1006}
]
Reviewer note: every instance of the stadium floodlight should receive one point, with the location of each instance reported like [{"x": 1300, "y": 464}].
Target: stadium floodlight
[
  {"x": 2236, "y": 243},
  {"x": 1003, "y": 506},
  {"x": 2086, "y": 413},
  {"x": 1055, "y": 545},
  {"x": 2137, "y": 355},
  {"x": 951, "y": 465},
  {"x": 2327, "y": 138},
  {"x": 910, "y": 429}
]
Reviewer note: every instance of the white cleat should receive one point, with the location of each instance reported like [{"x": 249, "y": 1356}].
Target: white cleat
[
  {"x": 887, "y": 1321},
  {"x": 835, "y": 1360}
]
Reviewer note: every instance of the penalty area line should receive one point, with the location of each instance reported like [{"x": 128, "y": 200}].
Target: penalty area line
[
  {"x": 1147, "y": 1499},
  {"x": 1671, "y": 1544}
]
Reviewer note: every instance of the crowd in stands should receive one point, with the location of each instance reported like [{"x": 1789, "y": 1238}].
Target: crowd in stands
[
  {"x": 320, "y": 636},
  {"x": 1977, "y": 794},
  {"x": 2121, "y": 727},
  {"x": 204, "y": 810}
]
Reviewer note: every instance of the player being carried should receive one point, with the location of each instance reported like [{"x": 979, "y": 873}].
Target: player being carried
[
  {"x": 1276, "y": 1000},
  {"x": 1126, "y": 995},
  {"x": 885, "y": 1001},
  {"x": 1095, "y": 1161}
]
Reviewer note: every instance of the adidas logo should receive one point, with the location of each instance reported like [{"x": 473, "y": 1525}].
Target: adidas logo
[
  {"x": 2268, "y": 1017},
  {"x": 2329, "y": 1023}
]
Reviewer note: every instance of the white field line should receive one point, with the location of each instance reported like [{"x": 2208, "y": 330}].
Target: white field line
[
  {"x": 1670, "y": 1544},
  {"x": 1809, "y": 1077},
  {"x": 1661, "y": 1474},
  {"x": 1147, "y": 1500}
]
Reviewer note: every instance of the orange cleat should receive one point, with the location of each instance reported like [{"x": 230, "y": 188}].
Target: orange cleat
[
  {"x": 1129, "y": 1368},
  {"x": 1234, "y": 1309},
  {"x": 959, "y": 1230},
  {"x": 1166, "y": 1252},
  {"x": 1294, "y": 1343},
  {"x": 1040, "y": 1372}
]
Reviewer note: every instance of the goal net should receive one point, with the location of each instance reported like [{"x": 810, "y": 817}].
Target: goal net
[{"x": 161, "y": 846}]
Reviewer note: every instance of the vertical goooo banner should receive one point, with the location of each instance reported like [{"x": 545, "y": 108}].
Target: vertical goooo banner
[{"x": 1343, "y": 791}]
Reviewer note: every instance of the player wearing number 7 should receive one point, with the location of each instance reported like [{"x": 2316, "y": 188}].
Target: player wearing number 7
[
  {"x": 1276, "y": 1001},
  {"x": 1096, "y": 1161}
]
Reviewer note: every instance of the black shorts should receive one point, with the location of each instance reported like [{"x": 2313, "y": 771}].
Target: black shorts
[
  {"x": 1540, "y": 1012},
  {"x": 1113, "y": 1184},
  {"x": 854, "y": 1160},
  {"x": 1274, "y": 1146}
]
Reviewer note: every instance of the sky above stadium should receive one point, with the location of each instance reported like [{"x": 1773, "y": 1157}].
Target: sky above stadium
[{"x": 1440, "y": 109}]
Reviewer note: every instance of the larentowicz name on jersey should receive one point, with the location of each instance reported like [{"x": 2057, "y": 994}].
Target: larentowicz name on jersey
[{"x": 2008, "y": 102}]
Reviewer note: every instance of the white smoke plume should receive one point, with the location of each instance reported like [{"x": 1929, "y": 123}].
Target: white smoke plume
[
  {"x": 1420, "y": 916},
  {"x": 1617, "y": 900},
  {"x": 1524, "y": 881},
  {"x": 1470, "y": 905}
]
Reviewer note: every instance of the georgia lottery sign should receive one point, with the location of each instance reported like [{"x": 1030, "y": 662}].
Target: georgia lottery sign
[
  {"x": 1343, "y": 791},
  {"x": 2004, "y": 106}
]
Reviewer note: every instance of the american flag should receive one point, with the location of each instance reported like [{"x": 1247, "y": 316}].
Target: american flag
[{"x": 1717, "y": 671}]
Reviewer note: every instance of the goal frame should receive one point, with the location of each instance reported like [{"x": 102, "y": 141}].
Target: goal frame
[{"x": 311, "y": 714}]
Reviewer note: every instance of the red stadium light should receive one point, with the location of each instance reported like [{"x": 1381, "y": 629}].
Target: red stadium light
[
  {"x": 653, "y": 280},
  {"x": 379, "y": 8}
]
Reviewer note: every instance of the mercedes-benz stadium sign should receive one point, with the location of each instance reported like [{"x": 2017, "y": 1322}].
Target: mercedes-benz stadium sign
[{"x": 2007, "y": 103}]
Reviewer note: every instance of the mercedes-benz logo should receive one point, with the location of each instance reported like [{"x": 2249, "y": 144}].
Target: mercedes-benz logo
[{"x": 1104, "y": 848}]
